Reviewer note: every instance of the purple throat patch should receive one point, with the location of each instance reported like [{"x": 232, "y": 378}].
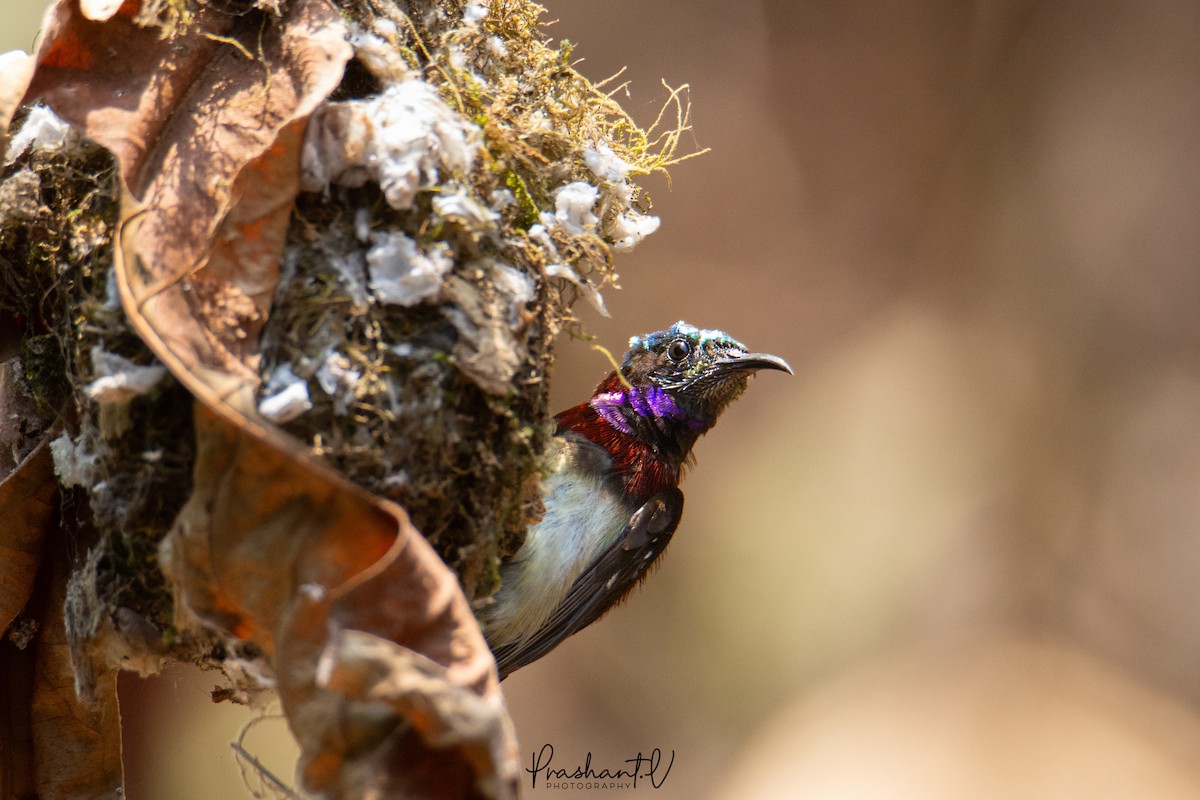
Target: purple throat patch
[{"x": 651, "y": 402}]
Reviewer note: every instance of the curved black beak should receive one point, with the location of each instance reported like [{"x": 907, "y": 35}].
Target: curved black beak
[{"x": 736, "y": 361}]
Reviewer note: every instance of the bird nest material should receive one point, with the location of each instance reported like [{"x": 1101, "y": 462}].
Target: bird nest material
[{"x": 466, "y": 186}]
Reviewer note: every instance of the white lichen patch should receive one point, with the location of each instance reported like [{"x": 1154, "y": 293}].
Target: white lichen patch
[
  {"x": 42, "y": 129},
  {"x": 589, "y": 293},
  {"x": 625, "y": 227},
  {"x": 608, "y": 166},
  {"x": 406, "y": 139},
  {"x": 573, "y": 208},
  {"x": 557, "y": 268},
  {"x": 338, "y": 378},
  {"x": 474, "y": 12},
  {"x": 460, "y": 207},
  {"x": 286, "y": 396},
  {"x": 513, "y": 284},
  {"x": 490, "y": 346},
  {"x": 628, "y": 229},
  {"x": 119, "y": 380},
  {"x": 401, "y": 273},
  {"x": 74, "y": 465}
]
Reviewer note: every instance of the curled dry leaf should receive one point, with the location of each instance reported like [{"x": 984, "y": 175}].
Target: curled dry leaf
[
  {"x": 273, "y": 548},
  {"x": 278, "y": 550},
  {"x": 206, "y": 134}
]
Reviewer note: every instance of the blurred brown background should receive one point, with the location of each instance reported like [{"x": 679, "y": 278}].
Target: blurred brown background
[{"x": 957, "y": 555}]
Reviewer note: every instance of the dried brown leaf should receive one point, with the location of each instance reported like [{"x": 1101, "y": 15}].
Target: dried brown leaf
[
  {"x": 54, "y": 745},
  {"x": 200, "y": 123},
  {"x": 76, "y": 745},
  {"x": 276, "y": 549},
  {"x": 118, "y": 82},
  {"x": 27, "y": 508},
  {"x": 27, "y": 499}
]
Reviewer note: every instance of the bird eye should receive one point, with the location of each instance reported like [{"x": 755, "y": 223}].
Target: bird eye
[{"x": 678, "y": 350}]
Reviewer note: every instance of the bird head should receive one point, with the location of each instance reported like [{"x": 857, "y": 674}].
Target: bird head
[{"x": 701, "y": 371}]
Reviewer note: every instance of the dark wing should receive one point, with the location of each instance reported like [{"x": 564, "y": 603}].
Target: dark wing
[{"x": 618, "y": 570}]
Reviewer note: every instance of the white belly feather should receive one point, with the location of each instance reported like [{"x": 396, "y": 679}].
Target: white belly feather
[{"x": 583, "y": 517}]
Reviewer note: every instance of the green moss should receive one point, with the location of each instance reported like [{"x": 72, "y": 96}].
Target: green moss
[
  {"x": 44, "y": 366},
  {"x": 529, "y": 214}
]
